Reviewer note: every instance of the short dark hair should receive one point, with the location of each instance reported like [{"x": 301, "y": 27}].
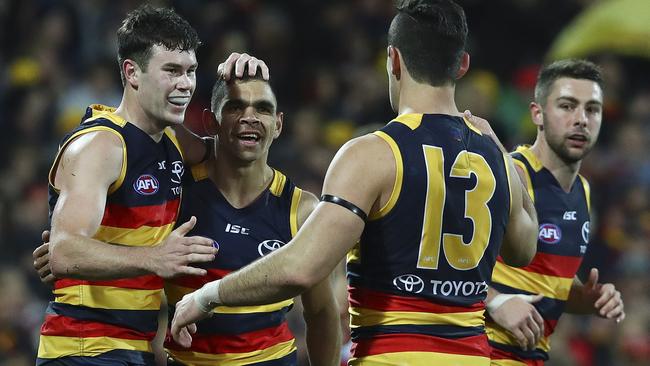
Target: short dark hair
[
  {"x": 220, "y": 88},
  {"x": 569, "y": 68},
  {"x": 431, "y": 36},
  {"x": 147, "y": 26}
]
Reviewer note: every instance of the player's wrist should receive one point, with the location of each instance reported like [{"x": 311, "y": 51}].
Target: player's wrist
[
  {"x": 500, "y": 299},
  {"x": 207, "y": 297}
]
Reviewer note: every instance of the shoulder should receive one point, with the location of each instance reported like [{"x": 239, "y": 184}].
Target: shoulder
[
  {"x": 365, "y": 151},
  {"x": 105, "y": 143},
  {"x": 306, "y": 205}
]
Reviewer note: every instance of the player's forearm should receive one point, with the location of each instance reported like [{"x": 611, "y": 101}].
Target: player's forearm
[
  {"x": 76, "y": 256},
  {"x": 324, "y": 337},
  {"x": 194, "y": 147}
]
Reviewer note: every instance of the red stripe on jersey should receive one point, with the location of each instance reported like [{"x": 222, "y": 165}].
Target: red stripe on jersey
[
  {"x": 389, "y": 343},
  {"x": 116, "y": 215},
  {"x": 552, "y": 265},
  {"x": 498, "y": 354},
  {"x": 370, "y": 299},
  {"x": 146, "y": 282},
  {"x": 235, "y": 343},
  {"x": 198, "y": 281},
  {"x": 63, "y": 326},
  {"x": 549, "y": 326}
]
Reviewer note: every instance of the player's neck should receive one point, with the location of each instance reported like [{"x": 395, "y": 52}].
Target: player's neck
[
  {"x": 565, "y": 173},
  {"x": 131, "y": 111},
  {"x": 240, "y": 183},
  {"x": 422, "y": 98}
]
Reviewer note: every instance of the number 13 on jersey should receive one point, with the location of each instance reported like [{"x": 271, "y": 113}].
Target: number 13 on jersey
[{"x": 459, "y": 255}]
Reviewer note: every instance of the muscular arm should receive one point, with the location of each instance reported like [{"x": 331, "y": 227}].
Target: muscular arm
[
  {"x": 320, "y": 310},
  {"x": 86, "y": 170},
  {"x": 520, "y": 240},
  {"x": 359, "y": 173}
]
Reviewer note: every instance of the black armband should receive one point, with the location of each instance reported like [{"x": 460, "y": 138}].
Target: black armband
[{"x": 343, "y": 203}]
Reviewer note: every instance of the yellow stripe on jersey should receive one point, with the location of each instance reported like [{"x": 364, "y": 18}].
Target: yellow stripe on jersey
[
  {"x": 587, "y": 189},
  {"x": 175, "y": 293},
  {"x": 144, "y": 236},
  {"x": 277, "y": 184},
  {"x": 549, "y": 286},
  {"x": 529, "y": 182},
  {"x": 235, "y": 359},
  {"x": 200, "y": 171},
  {"x": 56, "y": 346},
  {"x": 532, "y": 159},
  {"x": 472, "y": 127},
  {"x": 420, "y": 359},
  {"x": 354, "y": 255},
  {"x": 102, "y": 111},
  {"x": 115, "y": 185},
  {"x": 499, "y": 335},
  {"x": 293, "y": 213},
  {"x": 172, "y": 136},
  {"x": 507, "y": 363},
  {"x": 399, "y": 176},
  {"x": 412, "y": 120},
  {"x": 361, "y": 317},
  {"x": 109, "y": 297}
]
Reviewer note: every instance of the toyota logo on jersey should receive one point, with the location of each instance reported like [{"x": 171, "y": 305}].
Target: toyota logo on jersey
[
  {"x": 146, "y": 185},
  {"x": 550, "y": 233},
  {"x": 409, "y": 283},
  {"x": 267, "y": 246}
]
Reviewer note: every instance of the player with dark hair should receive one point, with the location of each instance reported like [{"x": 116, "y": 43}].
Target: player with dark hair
[
  {"x": 115, "y": 189},
  {"x": 526, "y": 303},
  {"x": 250, "y": 209},
  {"x": 422, "y": 206}
]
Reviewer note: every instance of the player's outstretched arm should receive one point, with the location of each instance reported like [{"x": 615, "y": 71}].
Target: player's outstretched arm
[
  {"x": 602, "y": 299},
  {"x": 320, "y": 309},
  {"x": 357, "y": 174},
  {"x": 86, "y": 170}
]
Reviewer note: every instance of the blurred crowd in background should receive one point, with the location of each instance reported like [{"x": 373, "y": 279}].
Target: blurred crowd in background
[{"x": 327, "y": 61}]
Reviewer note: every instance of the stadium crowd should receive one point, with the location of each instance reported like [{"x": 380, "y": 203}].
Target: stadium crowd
[{"x": 327, "y": 67}]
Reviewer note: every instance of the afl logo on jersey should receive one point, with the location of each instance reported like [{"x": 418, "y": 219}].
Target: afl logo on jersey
[
  {"x": 549, "y": 233},
  {"x": 409, "y": 283},
  {"x": 267, "y": 246},
  {"x": 585, "y": 232},
  {"x": 146, "y": 185}
]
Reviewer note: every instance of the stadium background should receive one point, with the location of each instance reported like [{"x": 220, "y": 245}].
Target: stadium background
[{"x": 327, "y": 62}]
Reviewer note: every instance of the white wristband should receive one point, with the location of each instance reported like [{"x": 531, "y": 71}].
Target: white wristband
[
  {"x": 207, "y": 297},
  {"x": 499, "y": 299}
]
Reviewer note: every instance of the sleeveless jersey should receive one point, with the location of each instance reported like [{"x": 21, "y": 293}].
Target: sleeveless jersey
[
  {"x": 418, "y": 277},
  {"x": 89, "y": 318},
  {"x": 562, "y": 241},
  {"x": 250, "y": 335}
]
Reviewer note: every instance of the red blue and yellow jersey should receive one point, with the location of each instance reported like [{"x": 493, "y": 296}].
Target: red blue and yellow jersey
[
  {"x": 249, "y": 335},
  {"x": 418, "y": 277},
  {"x": 562, "y": 241},
  {"x": 89, "y": 318}
]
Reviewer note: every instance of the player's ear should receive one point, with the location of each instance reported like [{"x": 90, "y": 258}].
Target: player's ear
[
  {"x": 279, "y": 119},
  {"x": 464, "y": 65},
  {"x": 393, "y": 62},
  {"x": 131, "y": 72},
  {"x": 210, "y": 123},
  {"x": 537, "y": 114}
]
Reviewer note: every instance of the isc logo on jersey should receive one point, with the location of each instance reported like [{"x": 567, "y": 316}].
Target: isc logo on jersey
[
  {"x": 550, "y": 233},
  {"x": 146, "y": 185}
]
